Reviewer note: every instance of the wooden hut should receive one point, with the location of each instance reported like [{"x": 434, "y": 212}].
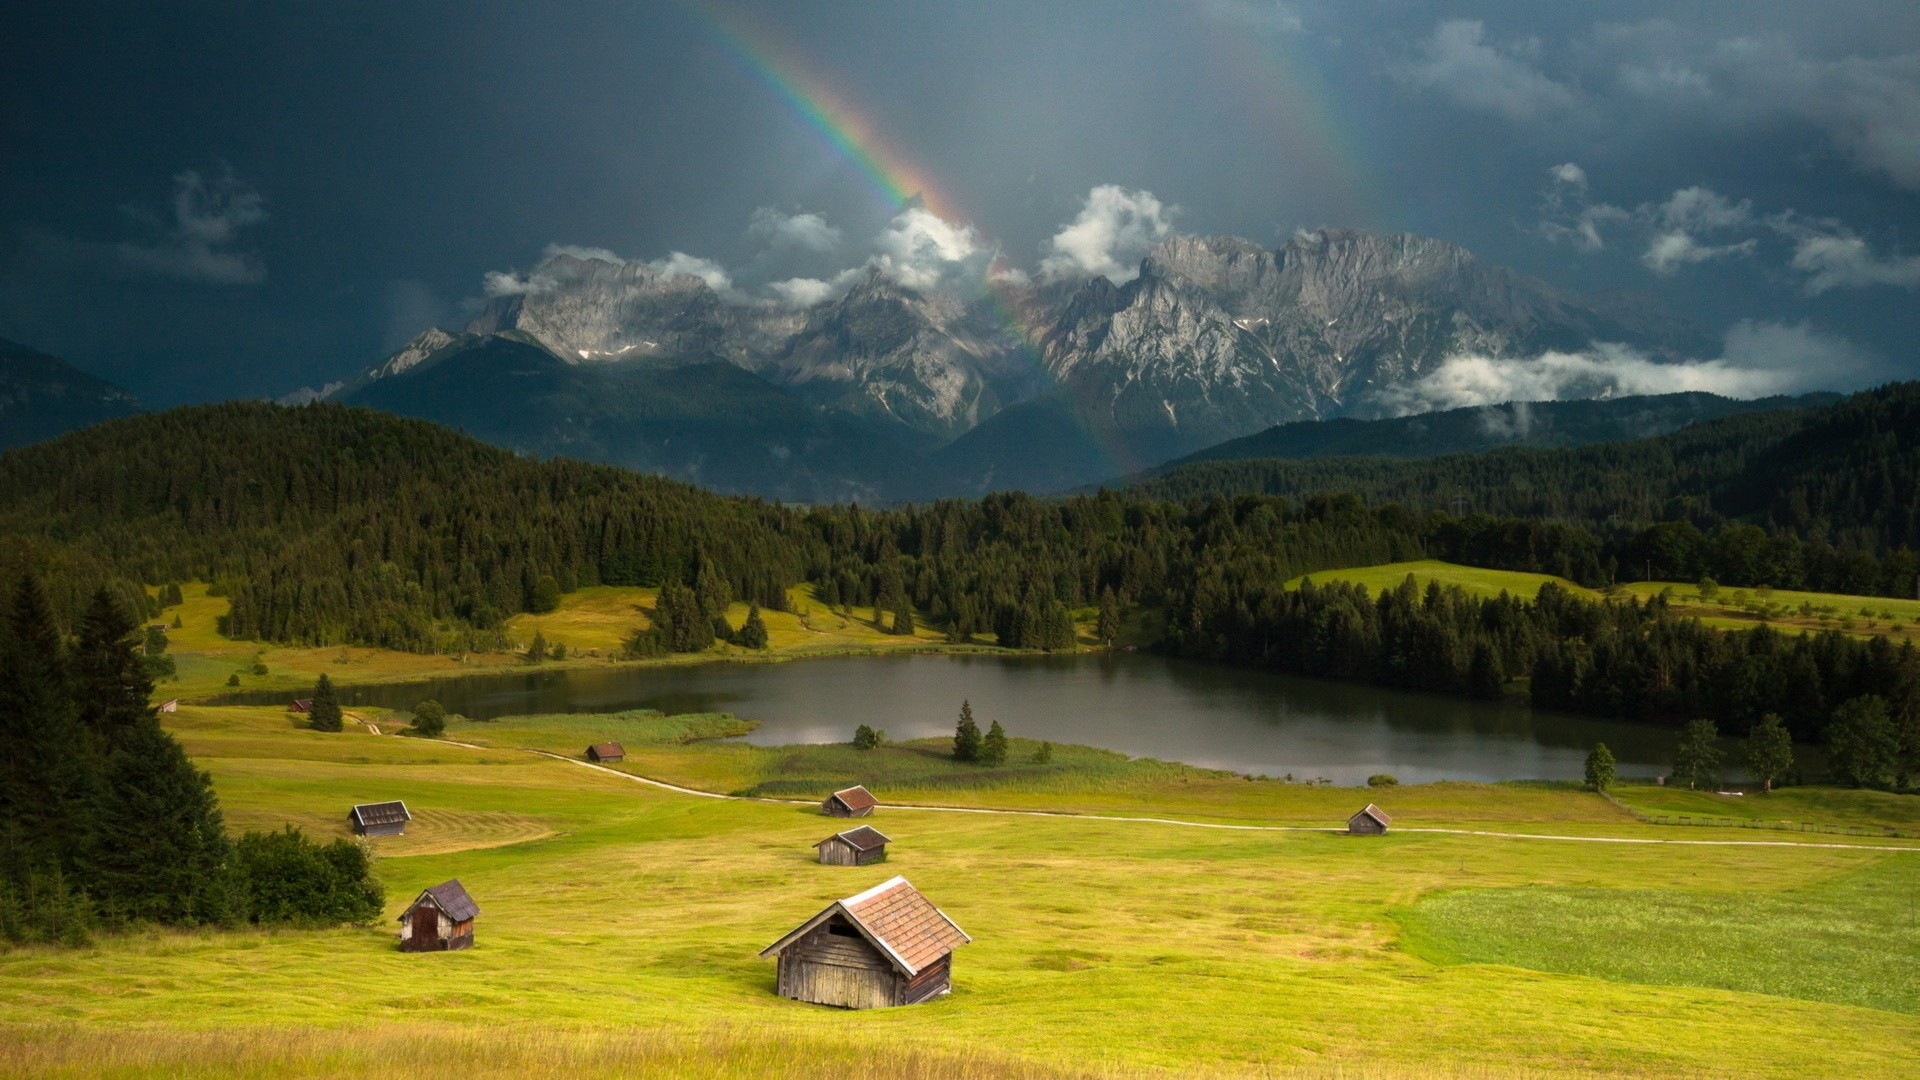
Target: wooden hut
[
  {"x": 439, "y": 919},
  {"x": 170, "y": 705},
  {"x": 301, "y": 705},
  {"x": 379, "y": 818},
  {"x": 855, "y": 801},
  {"x": 606, "y": 751},
  {"x": 855, "y": 847},
  {"x": 886, "y": 946},
  {"x": 1371, "y": 821}
]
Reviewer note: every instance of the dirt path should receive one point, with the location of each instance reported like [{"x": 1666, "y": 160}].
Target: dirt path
[{"x": 677, "y": 789}]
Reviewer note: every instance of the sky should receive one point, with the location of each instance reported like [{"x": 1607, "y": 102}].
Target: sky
[{"x": 212, "y": 200}]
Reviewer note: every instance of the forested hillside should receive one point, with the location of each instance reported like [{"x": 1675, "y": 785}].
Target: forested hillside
[
  {"x": 329, "y": 524},
  {"x": 1798, "y": 498}
]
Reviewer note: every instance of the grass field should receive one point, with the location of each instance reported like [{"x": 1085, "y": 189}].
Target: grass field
[
  {"x": 592, "y": 623},
  {"x": 1735, "y": 609},
  {"x": 619, "y": 931}
]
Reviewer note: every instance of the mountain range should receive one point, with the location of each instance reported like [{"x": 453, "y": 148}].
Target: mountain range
[
  {"x": 887, "y": 393},
  {"x": 42, "y": 396}
]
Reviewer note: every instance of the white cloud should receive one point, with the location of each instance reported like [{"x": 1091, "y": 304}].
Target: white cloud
[
  {"x": 1757, "y": 359},
  {"x": 208, "y": 215},
  {"x": 922, "y": 250},
  {"x": 1833, "y": 257},
  {"x": 1114, "y": 228},
  {"x": 800, "y": 293},
  {"x": 1668, "y": 251},
  {"x": 586, "y": 254},
  {"x": 1567, "y": 216},
  {"x": 807, "y": 232},
  {"x": 681, "y": 264},
  {"x": 1456, "y": 60}
]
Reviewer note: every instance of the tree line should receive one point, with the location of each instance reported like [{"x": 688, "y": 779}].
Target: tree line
[{"x": 103, "y": 819}]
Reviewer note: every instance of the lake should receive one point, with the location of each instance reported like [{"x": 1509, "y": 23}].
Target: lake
[{"x": 1138, "y": 704}]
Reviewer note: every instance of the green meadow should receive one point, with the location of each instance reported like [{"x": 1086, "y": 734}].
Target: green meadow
[
  {"x": 1726, "y": 608},
  {"x": 621, "y": 923}
]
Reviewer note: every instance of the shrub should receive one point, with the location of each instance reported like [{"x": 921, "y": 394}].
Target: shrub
[
  {"x": 259, "y": 668},
  {"x": 1044, "y": 754},
  {"x": 867, "y": 738},
  {"x": 429, "y": 719},
  {"x": 293, "y": 880},
  {"x": 1383, "y": 780},
  {"x": 234, "y": 679},
  {"x": 1600, "y": 767}
]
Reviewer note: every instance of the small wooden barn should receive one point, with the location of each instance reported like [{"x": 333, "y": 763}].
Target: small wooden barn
[
  {"x": 1371, "y": 821},
  {"x": 886, "y": 946},
  {"x": 439, "y": 919},
  {"x": 170, "y": 705},
  {"x": 379, "y": 818},
  {"x": 855, "y": 801},
  {"x": 606, "y": 751},
  {"x": 301, "y": 705},
  {"x": 855, "y": 847}
]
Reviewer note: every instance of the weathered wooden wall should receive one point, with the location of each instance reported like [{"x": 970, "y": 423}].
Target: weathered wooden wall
[{"x": 832, "y": 969}]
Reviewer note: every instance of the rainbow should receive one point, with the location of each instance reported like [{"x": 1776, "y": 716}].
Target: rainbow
[
  {"x": 1287, "y": 102},
  {"x": 846, "y": 130}
]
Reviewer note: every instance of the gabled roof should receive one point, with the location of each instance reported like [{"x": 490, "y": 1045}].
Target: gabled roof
[
  {"x": 895, "y": 919},
  {"x": 381, "y": 813},
  {"x": 607, "y": 749},
  {"x": 864, "y": 838},
  {"x": 450, "y": 897},
  {"x": 1376, "y": 814},
  {"x": 856, "y": 798}
]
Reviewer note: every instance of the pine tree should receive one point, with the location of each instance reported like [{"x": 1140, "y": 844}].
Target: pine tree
[
  {"x": 326, "y": 708},
  {"x": 753, "y": 632},
  {"x": 545, "y": 596},
  {"x": 1697, "y": 759},
  {"x": 993, "y": 749},
  {"x": 1107, "y": 626},
  {"x": 1486, "y": 676},
  {"x": 902, "y": 618},
  {"x": 46, "y": 760},
  {"x": 966, "y": 735},
  {"x": 1769, "y": 751},
  {"x": 1043, "y": 754},
  {"x": 160, "y": 852},
  {"x": 713, "y": 591},
  {"x": 110, "y": 679},
  {"x": 537, "y": 650},
  {"x": 1600, "y": 767}
]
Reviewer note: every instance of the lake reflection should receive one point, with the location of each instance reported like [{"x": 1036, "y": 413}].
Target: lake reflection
[{"x": 1138, "y": 704}]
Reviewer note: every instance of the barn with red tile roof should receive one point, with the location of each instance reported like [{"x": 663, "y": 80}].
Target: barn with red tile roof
[
  {"x": 886, "y": 946},
  {"x": 855, "y": 801}
]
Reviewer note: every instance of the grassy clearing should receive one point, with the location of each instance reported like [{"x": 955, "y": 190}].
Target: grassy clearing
[
  {"x": 592, "y": 623},
  {"x": 1077, "y": 779},
  {"x": 1472, "y": 579},
  {"x": 1785, "y": 609},
  {"x": 1790, "y": 806},
  {"x": 1854, "y": 940},
  {"x": 1728, "y": 609},
  {"x": 622, "y": 939}
]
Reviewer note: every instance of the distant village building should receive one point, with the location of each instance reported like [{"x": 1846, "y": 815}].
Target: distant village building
[
  {"x": 439, "y": 919},
  {"x": 855, "y": 847},
  {"x": 380, "y": 818},
  {"x": 886, "y": 946},
  {"x": 606, "y": 751},
  {"x": 855, "y": 801},
  {"x": 301, "y": 705},
  {"x": 1369, "y": 822},
  {"x": 170, "y": 705}
]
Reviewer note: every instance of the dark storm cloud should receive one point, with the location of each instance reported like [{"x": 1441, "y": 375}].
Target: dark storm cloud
[{"x": 1758, "y": 164}]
